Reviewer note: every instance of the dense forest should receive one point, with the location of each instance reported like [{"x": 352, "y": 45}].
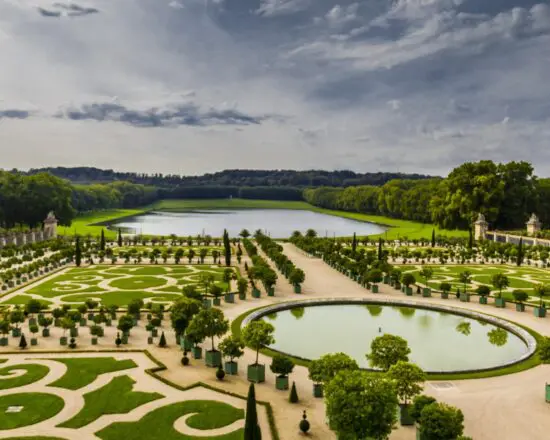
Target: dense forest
[
  {"x": 236, "y": 178},
  {"x": 506, "y": 194}
]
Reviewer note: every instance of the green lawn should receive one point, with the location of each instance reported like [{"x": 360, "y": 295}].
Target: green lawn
[
  {"x": 159, "y": 424},
  {"x": 83, "y": 371},
  {"x": 117, "y": 397},
  {"x": 121, "y": 299},
  {"x": 37, "y": 407},
  {"x": 33, "y": 373},
  {"x": 24, "y": 299},
  {"x": 83, "y": 225}
]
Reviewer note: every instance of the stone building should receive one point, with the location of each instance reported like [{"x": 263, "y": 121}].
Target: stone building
[{"x": 48, "y": 232}]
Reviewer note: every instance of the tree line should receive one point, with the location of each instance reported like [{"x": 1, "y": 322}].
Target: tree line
[{"x": 506, "y": 194}]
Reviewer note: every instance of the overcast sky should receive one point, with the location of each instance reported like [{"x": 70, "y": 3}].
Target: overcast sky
[{"x": 193, "y": 86}]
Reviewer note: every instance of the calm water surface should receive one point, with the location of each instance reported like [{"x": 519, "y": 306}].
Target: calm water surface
[
  {"x": 438, "y": 341},
  {"x": 279, "y": 223}
]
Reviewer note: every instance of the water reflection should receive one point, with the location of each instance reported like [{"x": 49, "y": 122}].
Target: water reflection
[
  {"x": 407, "y": 312},
  {"x": 272, "y": 316},
  {"x": 465, "y": 328},
  {"x": 374, "y": 310},
  {"x": 298, "y": 312},
  {"x": 498, "y": 337}
]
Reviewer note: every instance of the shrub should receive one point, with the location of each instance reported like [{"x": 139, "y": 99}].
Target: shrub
[
  {"x": 544, "y": 350},
  {"x": 162, "y": 341},
  {"x": 483, "y": 290},
  {"x": 22, "y": 342},
  {"x": 418, "y": 405},
  {"x": 387, "y": 350},
  {"x": 408, "y": 279},
  {"x": 441, "y": 421},
  {"x": 520, "y": 296},
  {"x": 293, "y": 398},
  {"x": 282, "y": 365}
]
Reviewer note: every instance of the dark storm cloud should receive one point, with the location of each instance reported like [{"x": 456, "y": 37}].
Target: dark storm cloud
[
  {"x": 71, "y": 10},
  {"x": 181, "y": 114},
  {"x": 14, "y": 114}
]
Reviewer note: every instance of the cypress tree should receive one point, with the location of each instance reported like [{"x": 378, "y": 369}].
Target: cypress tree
[
  {"x": 293, "y": 398},
  {"x": 162, "y": 341},
  {"x": 380, "y": 255},
  {"x": 77, "y": 252},
  {"x": 22, "y": 342},
  {"x": 102, "y": 241},
  {"x": 251, "y": 428},
  {"x": 433, "y": 237},
  {"x": 520, "y": 251},
  {"x": 354, "y": 243},
  {"x": 470, "y": 238},
  {"x": 119, "y": 238},
  {"x": 227, "y": 248}
]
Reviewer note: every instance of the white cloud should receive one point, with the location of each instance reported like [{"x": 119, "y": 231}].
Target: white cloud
[{"x": 416, "y": 85}]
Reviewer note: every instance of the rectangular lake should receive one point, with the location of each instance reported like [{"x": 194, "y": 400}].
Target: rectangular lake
[{"x": 279, "y": 223}]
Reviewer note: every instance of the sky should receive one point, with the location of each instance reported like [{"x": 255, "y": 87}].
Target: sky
[{"x": 195, "y": 86}]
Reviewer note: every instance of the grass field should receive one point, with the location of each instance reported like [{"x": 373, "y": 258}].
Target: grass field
[
  {"x": 33, "y": 373},
  {"x": 36, "y": 408},
  {"x": 118, "y": 285},
  {"x": 83, "y": 225},
  {"x": 524, "y": 278}
]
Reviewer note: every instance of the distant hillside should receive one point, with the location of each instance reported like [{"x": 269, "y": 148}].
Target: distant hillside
[{"x": 240, "y": 178}]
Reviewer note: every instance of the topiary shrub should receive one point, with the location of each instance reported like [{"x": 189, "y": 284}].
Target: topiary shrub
[
  {"x": 22, "y": 342},
  {"x": 185, "y": 359},
  {"x": 72, "y": 343},
  {"x": 220, "y": 374},
  {"x": 293, "y": 398},
  {"x": 162, "y": 341},
  {"x": 304, "y": 423}
]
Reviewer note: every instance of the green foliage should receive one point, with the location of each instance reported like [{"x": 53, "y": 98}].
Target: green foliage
[
  {"x": 445, "y": 287},
  {"x": 101, "y": 401},
  {"x": 257, "y": 334},
  {"x": 544, "y": 350},
  {"x": 297, "y": 276},
  {"x": 408, "y": 379},
  {"x": 125, "y": 323},
  {"x": 77, "y": 252},
  {"x": 408, "y": 279},
  {"x": 441, "y": 421},
  {"x": 419, "y": 403},
  {"x": 251, "y": 426},
  {"x": 22, "y": 341},
  {"x": 83, "y": 371},
  {"x": 162, "y": 341},
  {"x": 483, "y": 290},
  {"x": 326, "y": 367},
  {"x": 232, "y": 347},
  {"x": 33, "y": 306},
  {"x": 281, "y": 365},
  {"x": 361, "y": 405},
  {"x": 209, "y": 323},
  {"x": 374, "y": 276},
  {"x": 387, "y": 350},
  {"x": 500, "y": 281},
  {"x": 293, "y": 397},
  {"x": 520, "y": 296}
]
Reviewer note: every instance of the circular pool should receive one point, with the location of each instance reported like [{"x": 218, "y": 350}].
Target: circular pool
[{"x": 441, "y": 339}]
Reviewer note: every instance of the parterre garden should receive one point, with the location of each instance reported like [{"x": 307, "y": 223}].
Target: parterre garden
[
  {"x": 524, "y": 278},
  {"x": 56, "y": 397},
  {"x": 118, "y": 285}
]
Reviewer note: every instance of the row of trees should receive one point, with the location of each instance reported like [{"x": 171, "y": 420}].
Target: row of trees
[{"x": 505, "y": 193}]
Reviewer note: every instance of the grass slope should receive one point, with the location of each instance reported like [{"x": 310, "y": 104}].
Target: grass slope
[
  {"x": 83, "y": 371},
  {"x": 159, "y": 424},
  {"x": 37, "y": 407},
  {"x": 117, "y": 397},
  {"x": 33, "y": 373},
  {"x": 84, "y": 224}
]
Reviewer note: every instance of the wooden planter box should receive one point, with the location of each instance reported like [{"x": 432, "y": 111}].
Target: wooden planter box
[
  {"x": 242, "y": 296},
  {"x": 94, "y": 340},
  {"x": 229, "y": 298},
  {"x": 149, "y": 340},
  {"x": 185, "y": 344},
  {"x": 408, "y": 291},
  {"x": 197, "y": 352},
  {"x": 3, "y": 342},
  {"x": 256, "y": 373},
  {"x": 63, "y": 340},
  {"x": 397, "y": 286},
  {"x": 16, "y": 332},
  {"x": 255, "y": 293},
  {"x": 281, "y": 383},
  {"x": 445, "y": 295},
  {"x": 404, "y": 417},
  {"x": 500, "y": 303},
  {"x": 32, "y": 321},
  {"x": 34, "y": 342},
  {"x": 207, "y": 303},
  {"x": 465, "y": 297},
  {"x": 520, "y": 307},
  {"x": 73, "y": 332},
  {"x": 547, "y": 393},
  {"x": 374, "y": 288},
  {"x": 386, "y": 280},
  {"x": 213, "y": 358},
  {"x": 231, "y": 368},
  {"x": 318, "y": 390},
  {"x": 217, "y": 301},
  {"x": 540, "y": 312},
  {"x": 154, "y": 332},
  {"x": 83, "y": 322},
  {"x": 483, "y": 300},
  {"x": 426, "y": 292}
]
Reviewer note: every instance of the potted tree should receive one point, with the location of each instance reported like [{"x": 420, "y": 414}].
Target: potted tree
[
  {"x": 520, "y": 296},
  {"x": 32, "y": 307},
  {"x": 408, "y": 279},
  {"x": 181, "y": 314},
  {"x": 34, "y": 330},
  {"x": 242, "y": 287},
  {"x": 257, "y": 334},
  {"x": 232, "y": 348},
  {"x": 296, "y": 278},
  {"x": 16, "y": 317},
  {"x": 408, "y": 379},
  {"x": 500, "y": 281},
  {"x": 282, "y": 366},
  {"x": 217, "y": 293},
  {"x": 445, "y": 289},
  {"x": 483, "y": 291},
  {"x": 395, "y": 278},
  {"x": 194, "y": 339},
  {"x": 125, "y": 324},
  {"x": 45, "y": 324},
  {"x": 323, "y": 370},
  {"x": 541, "y": 290},
  {"x": 66, "y": 324},
  {"x": 465, "y": 278},
  {"x": 210, "y": 323},
  {"x": 427, "y": 274},
  {"x": 5, "y": 327},
  {"x": 374, "y": 276}
]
